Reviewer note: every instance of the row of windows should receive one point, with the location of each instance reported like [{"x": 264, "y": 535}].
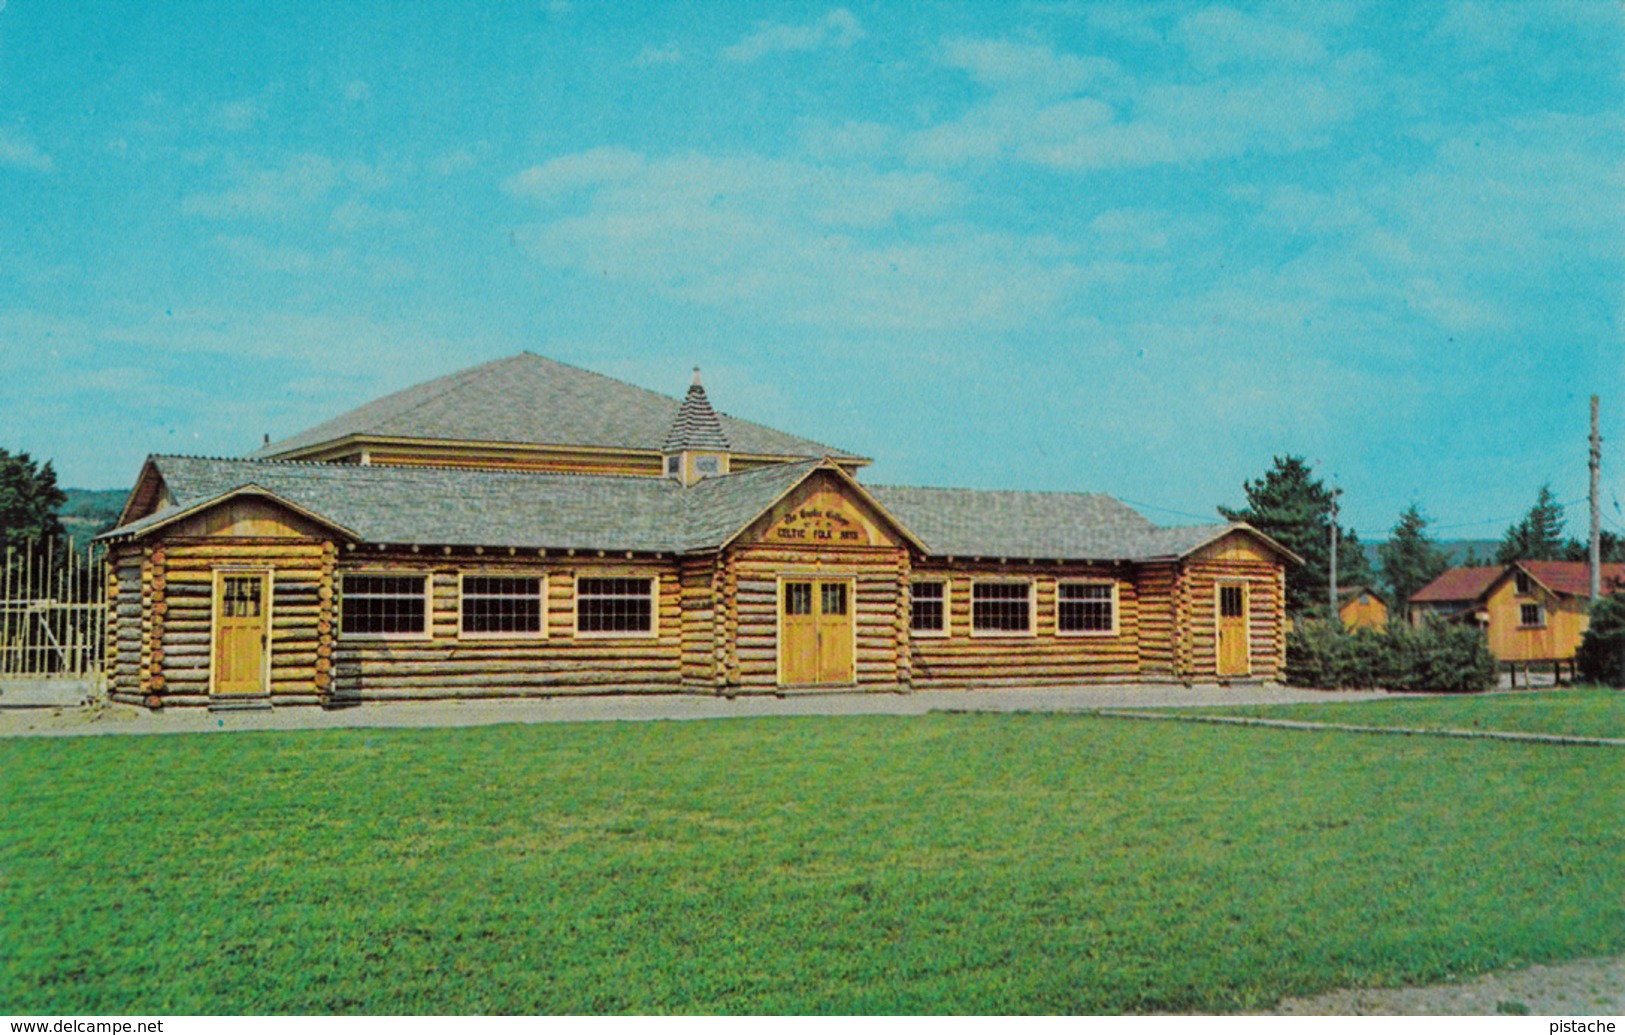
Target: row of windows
[
  {"x": 1007, "y": 607},
  {"x": 515, "y": 606},
  {"x": 494, "y": 605}
]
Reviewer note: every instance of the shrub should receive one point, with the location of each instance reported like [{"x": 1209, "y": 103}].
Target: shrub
[
  {"x": 1435, "y": 658},
  {"x": 1601, "y": 657}
]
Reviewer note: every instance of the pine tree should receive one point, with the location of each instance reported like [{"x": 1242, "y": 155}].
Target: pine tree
[
  {"x": 29, "y": 500},
  {"x": 1410, "y": 559},
  {"x": 1538, "y": 536},
  {"x": 1293, "y": 507}
]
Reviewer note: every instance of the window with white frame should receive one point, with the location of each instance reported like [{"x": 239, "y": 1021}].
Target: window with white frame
[
  {"x": 379, "y": 604},
  {"x": 615, "y": 606},
  {"x": 1086, "y": 607},
  {"x": 504, "y": 605},
  {"x": 1531, "y": 615},
  {"x": 928, "y": 607},
  {"x": 1521, "y": 580},
  {"x": 1001, "y": 608}
]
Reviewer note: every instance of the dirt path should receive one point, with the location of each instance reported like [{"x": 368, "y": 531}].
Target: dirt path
[
  {"x": 1584, "y": 988},
  {"x": 115, "y": 718}
]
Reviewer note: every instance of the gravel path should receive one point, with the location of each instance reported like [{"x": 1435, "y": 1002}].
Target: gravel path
[
  {"x": 1585, "y": 988},
  {"x": 115, "y": 718}
]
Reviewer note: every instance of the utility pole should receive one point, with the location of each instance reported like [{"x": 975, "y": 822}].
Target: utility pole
[
  {"x": 1595, "y": 556},
  {"x": 1332, "y": 579}
]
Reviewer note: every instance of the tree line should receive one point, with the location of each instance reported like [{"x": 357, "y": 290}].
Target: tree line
[{"x": 1289, "y": 504}]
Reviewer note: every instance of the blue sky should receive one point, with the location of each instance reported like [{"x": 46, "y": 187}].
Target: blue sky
[{"x": 1130, "y": 248}]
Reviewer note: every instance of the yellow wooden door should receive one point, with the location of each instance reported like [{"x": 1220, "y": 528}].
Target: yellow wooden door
[
  {"x": 815, "y": 633},
  {"x": 239, "y": 633},
  {"x": 834, "y": 633},
  {"x": 1234, "y": 649},
  {"x": 798, "y": 635}
]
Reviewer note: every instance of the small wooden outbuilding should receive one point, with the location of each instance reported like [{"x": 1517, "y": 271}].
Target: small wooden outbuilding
[
  {"x": 1532, "y": 611},
  {"x": 529, "y": 528}
]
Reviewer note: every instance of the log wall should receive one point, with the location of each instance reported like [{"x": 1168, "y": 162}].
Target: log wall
[
  {"x": 960, "y": 659},
  {"x": 126, "y": 629},
  {"x": 300, "y": 634},
  {"x": 1200, "y": 577},
  {"x": 701, "y": 664},
  {"x": 446, "y": 665},
  {"x": 751, "y": 591}
]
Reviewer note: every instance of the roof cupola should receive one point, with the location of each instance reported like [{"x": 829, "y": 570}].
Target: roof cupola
[{"x": 696, "y": 447}]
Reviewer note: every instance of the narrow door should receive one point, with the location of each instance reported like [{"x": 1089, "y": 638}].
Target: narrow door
[
  {"x": 798, "y": 635},
  {"x": 834, "y": 634},
  {"x": 815, "y": 633},
  {"x": 239, "y": 633},
  {"x": 1234, "y": 650}
]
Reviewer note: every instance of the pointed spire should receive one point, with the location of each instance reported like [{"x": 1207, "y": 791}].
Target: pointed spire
[{"x": 697, "y": 425}]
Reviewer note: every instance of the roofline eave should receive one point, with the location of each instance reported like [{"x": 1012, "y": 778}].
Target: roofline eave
[
  {"x": 362, "y": 439},
  {"x": 249, "y": 489}
]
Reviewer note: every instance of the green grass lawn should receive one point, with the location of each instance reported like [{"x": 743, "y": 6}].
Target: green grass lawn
[
  {"x": 951, "y": 863},
  {"x": 1578, "y": 712}
]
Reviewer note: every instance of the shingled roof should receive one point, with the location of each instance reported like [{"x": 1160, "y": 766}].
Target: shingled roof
[
  {"x": 1078, "y": 526},
  {"x": 528, "y": 399},
  {"x": 697, "y": 425},
  {"x": 1458, "y": 584},
  {"x": 532, "y": 510}
]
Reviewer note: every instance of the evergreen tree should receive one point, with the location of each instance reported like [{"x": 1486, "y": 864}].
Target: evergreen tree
[
  {"x": 29, "y": 500},
  {"x": 1293, "y": 507},
  {"x": 1538, "y": 536},
  {"x": 1610, "y": 546},
  {"x": 1410, "y": 559}
]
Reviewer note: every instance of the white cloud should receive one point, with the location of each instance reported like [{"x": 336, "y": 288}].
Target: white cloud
[
  {"x": 352, "y": 216},
  {"x": 450, "y": 164},
  {"x": 21, "y": 153},
  {"x": 847, "y": 245},
  {"x": 256, "y": 254},
  {"x": 1083, "y": 114},
  {"x": 1216, "y": 37},
  {"x": 848, "y": 140},
  {"x": 837, "y": 29},
  {"x": 651, "y": 56},
  {"x": 1026, "y": 68},
  {"x": 572, "y": 172},
  {"x": 268, "y": 193},
  {"x": 236, "y": 116}
]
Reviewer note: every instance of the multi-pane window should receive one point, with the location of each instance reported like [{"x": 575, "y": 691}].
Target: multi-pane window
[
  {"x": 1001, "y": 607},
  {"x": 384, "y": 605},
  {"x": 609, "y": 606},
  {"x": 798, "y": 598},
  {"x": 503, "y": 605},
  {"x": 832, "y": 597},
  {"x": 240, "y": 596},
  {"x": 1531, "y": 614},
  {"x": 1232, "y": 602},
  {"x": 928, "y": 607},
  {"x": 1522, "y": 580},
  {"x": 1085, "y": 607}
]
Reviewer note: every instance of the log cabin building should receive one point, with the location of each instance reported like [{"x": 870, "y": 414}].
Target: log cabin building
[{"x": 529, "y": 528}]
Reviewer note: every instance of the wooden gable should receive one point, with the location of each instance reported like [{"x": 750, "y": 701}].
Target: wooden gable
[
  {"x": 823, "y": 511},
  {"x": 247, "y": 517},
  {"x": 1238, "y": 546}
]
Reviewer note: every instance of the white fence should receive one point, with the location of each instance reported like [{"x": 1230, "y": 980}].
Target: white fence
[{"x": 53, "y": 611}]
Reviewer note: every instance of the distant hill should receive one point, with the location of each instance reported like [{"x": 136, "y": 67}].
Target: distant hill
[
  {"x": 90, "y": 512},
  {"x": 1483, "y": 551}
]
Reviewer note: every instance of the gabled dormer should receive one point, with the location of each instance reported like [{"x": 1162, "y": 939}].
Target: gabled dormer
[{"x": 696, "y": 446}]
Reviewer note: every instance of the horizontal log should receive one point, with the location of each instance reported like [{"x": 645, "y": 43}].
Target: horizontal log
[
  {"x": 472, "y": 686},
  {"x": 488, "y": 671}
]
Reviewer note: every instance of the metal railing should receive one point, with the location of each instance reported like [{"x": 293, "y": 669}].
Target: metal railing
[{"x": 53, "y": 610}]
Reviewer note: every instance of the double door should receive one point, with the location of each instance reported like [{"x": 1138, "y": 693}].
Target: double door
[{"x": 815, "y": 632}]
